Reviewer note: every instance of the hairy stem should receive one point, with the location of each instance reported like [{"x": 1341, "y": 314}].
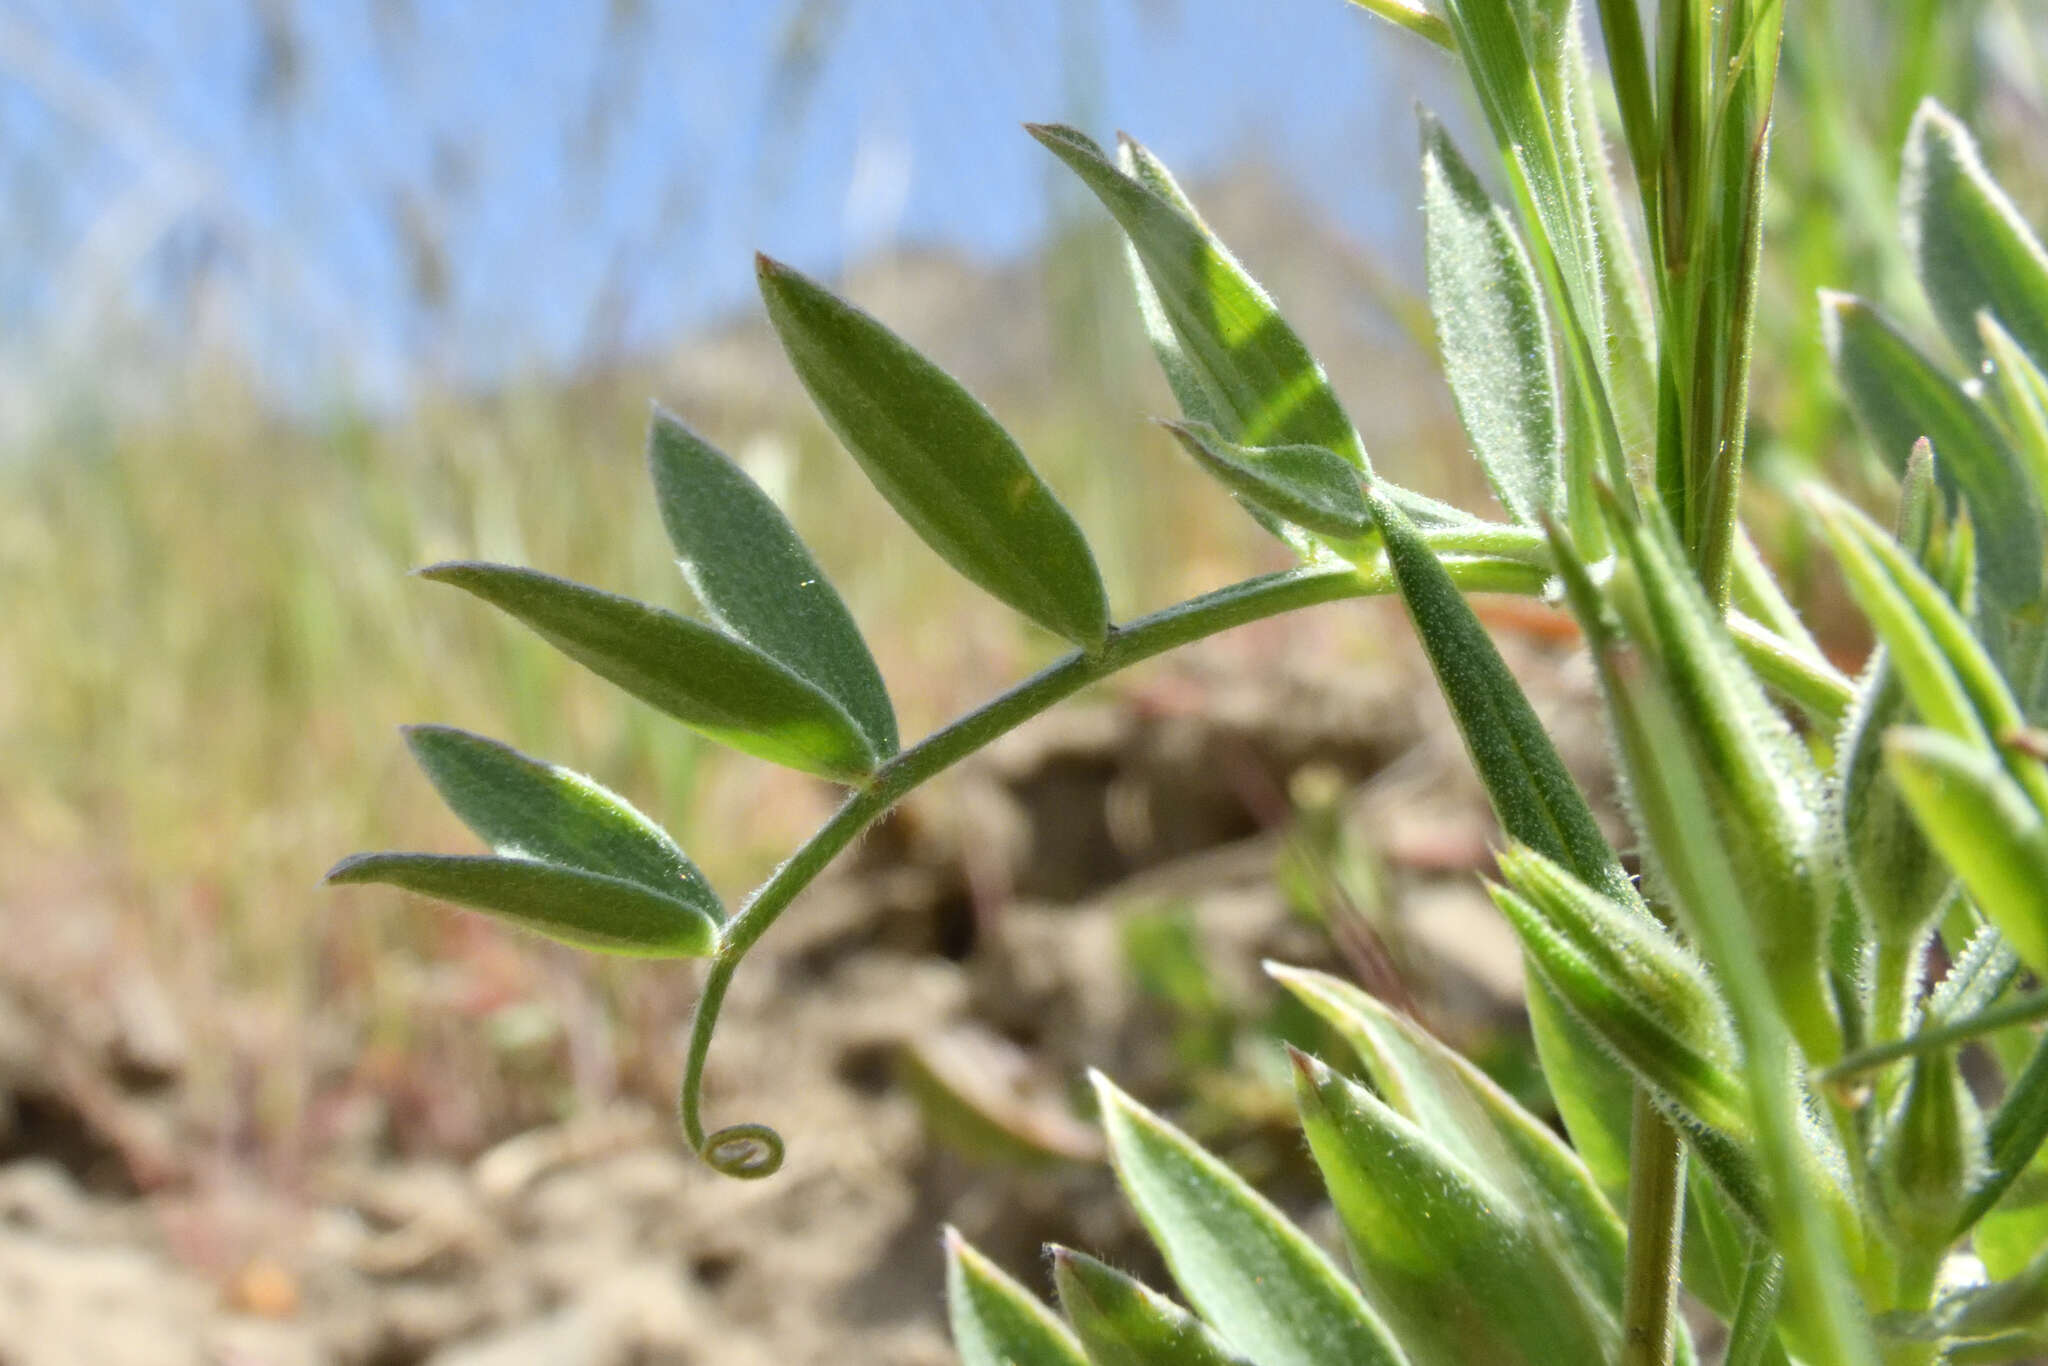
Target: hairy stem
[
  {"x": 754, "y": 1150},
  {"x": 1656, "y": 1216},
  {"x": 2020, "y": 1010}
]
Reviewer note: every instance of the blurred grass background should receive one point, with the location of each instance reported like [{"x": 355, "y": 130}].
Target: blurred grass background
[{"x": 209, "y": 636}]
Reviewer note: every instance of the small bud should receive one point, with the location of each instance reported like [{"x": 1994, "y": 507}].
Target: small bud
[{"x": 1928, "y": 1153}]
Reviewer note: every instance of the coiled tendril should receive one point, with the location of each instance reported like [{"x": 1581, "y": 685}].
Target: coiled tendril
[{"x": 747, "y": 1151}]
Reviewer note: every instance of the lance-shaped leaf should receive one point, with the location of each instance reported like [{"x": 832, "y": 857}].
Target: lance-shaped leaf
[
  {"x": 941, "y": 460},
  {"x": 1533, "y": 796},
  {"x": 704, "y": 678},
  {"x": 1270, "y": 1291},
  {"x": 1973, "y": 251},
  {"x": 1533, "y": 793},
  {"x": 588, "y": 910},
  {"x": 997, "y": 1322},
  {"x": 525, "y": 808},
  {"x": 1311, "y": 487},
  {"x": 1899, "y": 396},
  {"x": 1767, "y": 793},
  {"x": 1450, "y": 1260},
  {"x": 757, "y": 580},
  {"x": 1123, "y": 1323},
  {"x": 1635, "y": 986},
  {"x": 1466, "y": 1113},
  {"x": 1259, "y": 384},
  {"x": 1983, "y": 824},
  {"x": 2007, "y": 1235},
  {"x": 1497, "y": 349},
  {"x": 2021, "y": 397},
  {"x": 1951, "y": 679}
]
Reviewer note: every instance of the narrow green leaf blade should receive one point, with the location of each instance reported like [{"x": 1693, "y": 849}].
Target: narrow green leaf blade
[
  {"x": 1533, "y": 793},
  {"x": 1952, "y": 681},
  {"x": 756, "y": 578},
  {"x": 704, "y": 678},
  {"x": 588, "y": 910},
  {"x": 1313, "y": 488},
  {"x": 1123, "y": 1323},
  {"x": 944, "y": 464},
  {"x": 2019, "y": 391},
  {"x": 1251, "y": 1273},
  {"x": 1899, "y": 396},
  {"x": 1536, "y": 801},
  {"x": 524, "y": 808},
  {"x": 1449, "y": 1260},
  {"x": 1475, "y": 1121},
  {"x": 1495, "y": 338},
  {"x": 1984, "y": 826},
  {"x": 1260, "y": 385},
  {"x": 1973, "y": 251},
  {"x": 997, "y": 1322}
]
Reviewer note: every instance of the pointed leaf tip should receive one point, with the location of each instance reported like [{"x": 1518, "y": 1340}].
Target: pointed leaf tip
[
  {"x": 940, "y": 458},
  {"x": 997, "y": 1322},
  {"x": 1308, "y": 486},
  {"x": 1251, "y": 1273},
  {"x": 1972, "y": 249},
  {"x": 755, "y": 577},
  {"x": 526, "y": 808},
  {"x": 703, "y": 677},
  {"x": 584, "y": 909}
]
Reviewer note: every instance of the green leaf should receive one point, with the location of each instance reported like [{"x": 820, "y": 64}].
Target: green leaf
[
  {"x": 704, "y": 678},
  {"x": 588, "y": 910},
  {"x": 755, "y": 578},
  {"x": 1452, "y": 1261},
  {"x": 2021, "y": 393},
  {"x": 1412, "y": 15},
  {"x": 1259, "y": 384},
  {"x": 997, "y": 1322},
  {"x": 940, "y": 459},
  {"x": 1973, "y": 251},
  {"x": 1496, "y": 342},
  {"x": 1466, "y": 1113},
  {"x": 1633, "y": 984},
  {"x": 526, "y": 809},
  {"x": 1533, "y": 796},
  {"x": 1533, "y": 793},
  {"x": 1251, "y": 1273},
  {"x": 1595, "y": 1095},
  {"x": 1311, "y": 487},
  {"x": 1983, "y": 824},
  {"x": 1123, "y": 1323},
  {"x": 2007, "y": 1235},
  {"x": 1944, "y": 668},
  {"x": 1899, "y": 396}
]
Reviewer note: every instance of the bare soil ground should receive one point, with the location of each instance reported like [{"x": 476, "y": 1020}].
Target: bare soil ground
[{"x": 981, "y": 929}]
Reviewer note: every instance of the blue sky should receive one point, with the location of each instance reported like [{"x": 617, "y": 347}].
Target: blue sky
[{"x": 576, "y": 177}]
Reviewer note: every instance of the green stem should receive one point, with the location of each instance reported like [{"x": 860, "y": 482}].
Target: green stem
[
  {"x": 1656, "y": 1222},
  {"x": 2023, "y": 1010},
  {"x": 754, "y": 1150}
]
